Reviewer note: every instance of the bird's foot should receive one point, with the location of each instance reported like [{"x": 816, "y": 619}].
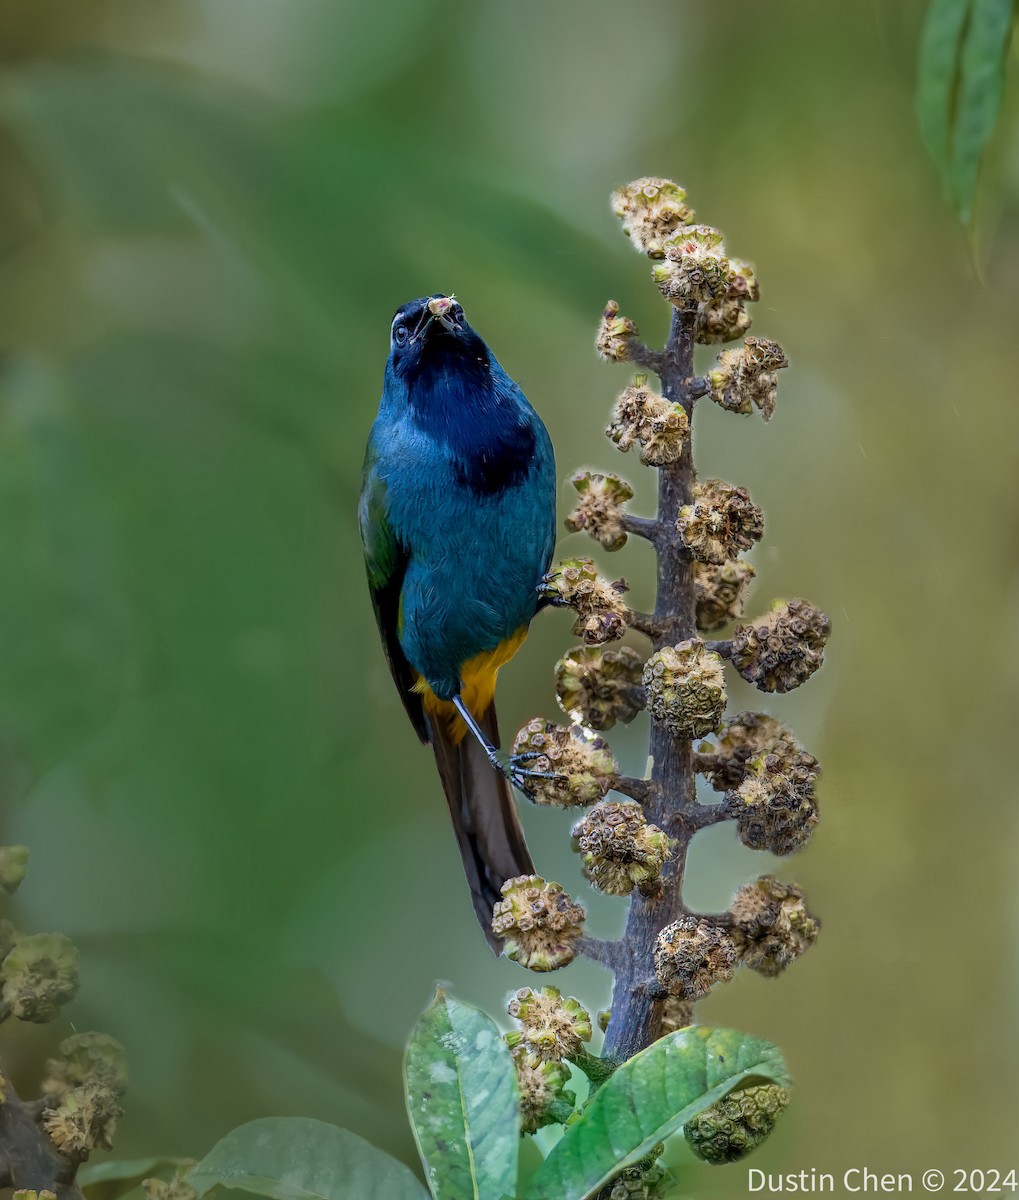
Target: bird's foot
[
  {"x": 516, "y": 770},
  {"x": 549, "y": 591}
]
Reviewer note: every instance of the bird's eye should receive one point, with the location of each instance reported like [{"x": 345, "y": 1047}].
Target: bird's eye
[{"x": 400, "y": 335}]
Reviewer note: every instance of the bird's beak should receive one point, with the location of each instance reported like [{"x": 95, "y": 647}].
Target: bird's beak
[{"x": 439, "y": 307}]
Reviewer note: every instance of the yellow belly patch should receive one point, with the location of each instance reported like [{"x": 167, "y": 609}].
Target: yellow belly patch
[{"x": 477, "y": 690}]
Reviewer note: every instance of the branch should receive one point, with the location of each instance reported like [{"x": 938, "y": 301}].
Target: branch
[
  {"x": 645, "y": 527},
  {"x": 689, "y": 820},
  {"x": 643, "y": 356},
  {"x": 637, "y": 789},
  {"x": 598, "y": 950},
  {"x": 646, "y": 623},
  {"x": 721, "y": 648},
  {"x": 33, "y": 1162}
]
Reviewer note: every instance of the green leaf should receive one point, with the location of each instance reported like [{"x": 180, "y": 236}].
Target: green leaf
[
  {"x": 937, "y": 77},
  {"x": 960, "y": 80},
  {"x": 981, "y": 86},
  {"x": 649, "y": 1098},
  {"x": 296, "y": 1158},
  {"x": 463, "y": 1102}
]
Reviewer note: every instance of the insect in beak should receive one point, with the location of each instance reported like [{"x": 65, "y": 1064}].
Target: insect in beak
[{"x": 439, "y": 307}]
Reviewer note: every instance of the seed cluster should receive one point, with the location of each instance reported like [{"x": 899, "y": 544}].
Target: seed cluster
[
  {"x": 746, "y": 378},
  {"x": 773, "y": 927},
  {"x": 600, "y": 508},
  {"x": 598, "y": 603},
  {"x": 651, "y": 211},
  {"x": 641, "y": 416},
  {"x": 568, "y": 767},
  {"x": 782, "y": 649},
  {"x": 721, "y": 522},
  {"x": 616, "y": 335},
  {"x": 737, "y": 1124},
  {"x": 538, "y": 923},
  {"x": 684, "y": 686},
  {"x": 692, "y": 955},
  {"x": 620, "y": 850},
  {"x": 599, "y": 687}
]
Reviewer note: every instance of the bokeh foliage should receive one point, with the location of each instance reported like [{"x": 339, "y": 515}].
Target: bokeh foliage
[{"x": 208, "y": 212}]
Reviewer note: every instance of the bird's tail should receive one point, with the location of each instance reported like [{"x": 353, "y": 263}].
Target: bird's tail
[{"x": 485, "y": 820}]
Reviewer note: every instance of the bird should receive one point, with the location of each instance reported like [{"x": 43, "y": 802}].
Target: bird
[{"x": 457, "y": 521}]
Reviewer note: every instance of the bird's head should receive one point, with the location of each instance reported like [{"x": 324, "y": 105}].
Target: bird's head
[{"x": 429, "y": 330}]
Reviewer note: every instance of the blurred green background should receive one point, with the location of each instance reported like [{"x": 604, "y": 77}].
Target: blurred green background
[{"x": 209, "y": 210}]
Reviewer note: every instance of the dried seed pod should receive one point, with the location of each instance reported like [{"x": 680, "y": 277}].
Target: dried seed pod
[
  {"x": 84, "y": 1058},
  {"x": 580, "y": 769},
  {"x": 737, "y": 1124},
  {"x": 692, "y": 955},
  {"x": 599, "y": 511},
  {"x": 743, "y": 283},
  {"x": 620, "y": 850},
  {"x": 616, "y": 335},
  {"x": 544, "y": 1098},
  {"x": 599, "y": 687},
  {"x": 745, "y": 377},
  {"x": 175, "y": 1188},
  {"x": 695, "y": 268},
  {"x": 775, "y": 806},
  {"x": 773, "y": 927},
  {"x": 721, "y": 522},
  {"x": 537, "y": 922},
  {"x": 684, "y": 686},
  {"x": 39, "y": 975},
  {"x": 84, "y": 1120},
  {"x": 720, "y": 592},
  {"x": 660, "y": 426},
  {"x": 722, "y": 320},
  {"x": 651, "y": 211},
  {"x": 553, "y": 1026},
  {"x": 676, "y": 1014},
  {"x": 646, "y": 1180},
  {"x": 782, "y": 649},
  {"x": 750, "y": 736},
  {"x": 598, "y": 603}
]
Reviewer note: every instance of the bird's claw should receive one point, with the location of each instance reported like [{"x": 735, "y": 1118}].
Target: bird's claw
[{"x": 514, "y": 767}]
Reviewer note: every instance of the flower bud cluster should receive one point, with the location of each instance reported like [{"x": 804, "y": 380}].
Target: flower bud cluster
[
  {"x": 660, "y": 426},
  {"x": 684, "y": 686},
  {"x": 782, "y": 649},
  {"x": 775, "y": 806},
  {"x": 39, "y": 974},
  {"x": 773, "y": 926},
  {"x": 746, "y": 378},
  {"x": 646, "y": 1180},
  {"x": 537, "y": 922},
  {"x": 13, "y": 867},
  {"x": 599, "y": 687},
  {"x": 736, "y": 1124},
  {"x": 721, "y": 522},
  {"x": 720, "y": 591},
  {"x": 552, "y": 1026},
  {"x": 616, "y": 335},
  {"x": 751, "y": 736},
  {"x": 651, "y": 211},
  {"x": 86, "y": 1058},
  {"x": 722, "y": 320},
  {"x": 599, "y": 511},
  {"x": 83, "y": 1089},
  {"x": 579, "y": 769},
  {"x": 692, "y": 955},
  {"x": 620, "y": 850},
  {"x": 544, "y": 1097},
  {"x": 598, "y": 603},
  {"x": 84, "y": 1119},
  {"x": 695, "y": 268},
  {"x": 174, "y": 1188}
]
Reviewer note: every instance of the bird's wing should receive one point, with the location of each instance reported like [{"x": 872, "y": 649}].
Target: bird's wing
[{"x": 386, "y": 559}]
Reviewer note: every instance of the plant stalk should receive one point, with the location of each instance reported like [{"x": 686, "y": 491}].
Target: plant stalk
[{"x": 636, "y": 1016}]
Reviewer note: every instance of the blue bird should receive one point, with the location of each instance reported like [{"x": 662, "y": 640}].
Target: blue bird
[{"x": 457, "y": 518}]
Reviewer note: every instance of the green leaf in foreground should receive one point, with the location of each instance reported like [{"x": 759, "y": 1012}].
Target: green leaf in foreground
[
  {"x": 463, "y": 1102},
  {"x": 649, "y": 1098},
  {"x": 959, "y": 86},
  {"x": 296, "y": 1158}
]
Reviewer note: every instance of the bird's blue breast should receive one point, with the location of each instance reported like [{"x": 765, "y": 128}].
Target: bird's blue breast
[{"x": 470, "y": 482}]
